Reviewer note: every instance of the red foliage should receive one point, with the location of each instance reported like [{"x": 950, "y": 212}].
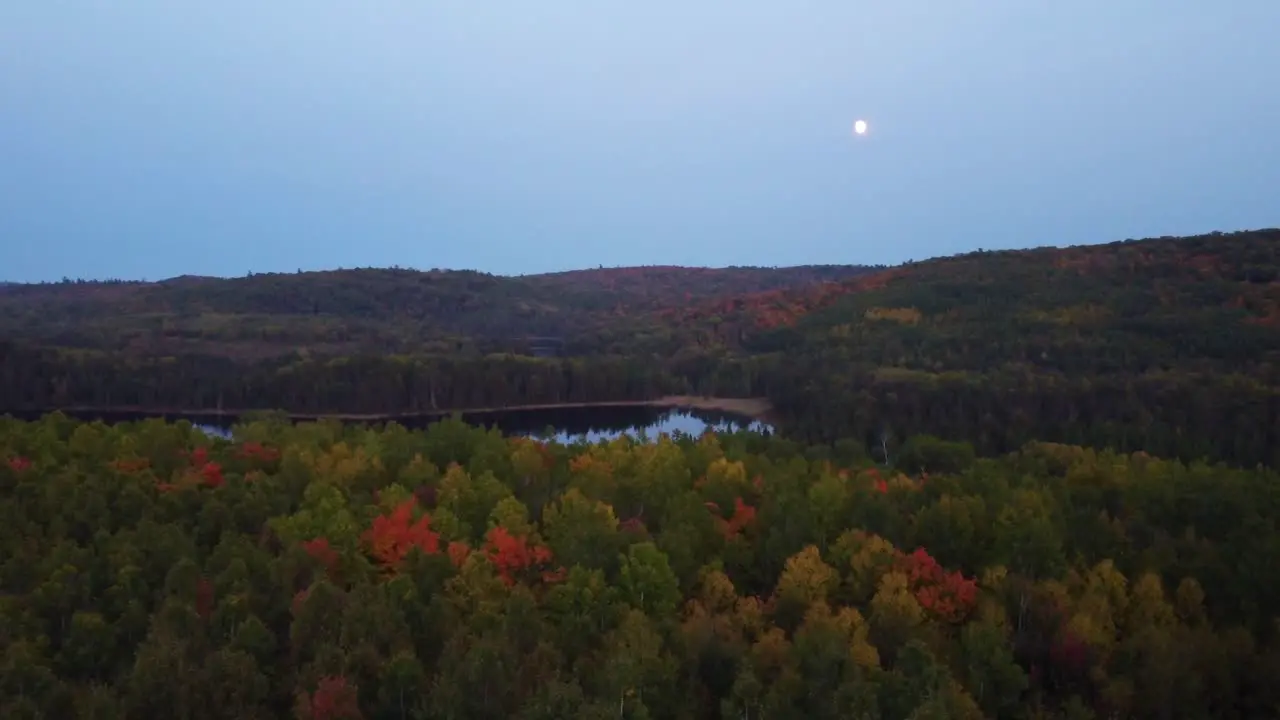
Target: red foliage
[
  {"x": 742, "y": 516},
  {"x": 947, "y": 595},
  {"x": 19, "y": 463},
  {"x": 878, "y": 483},
  {"x": 512, "y": 555},
  {"x": 777, "y": 308},
  {"x": 320, "y": 549},
  {"x": 211, "y": 474},
  {"x": 258, "y": 451},
  {"x": 393, "y": 536},
  {"x": 334, "y": 699},
  {"x": 204, "y": 598},
  {"x": 199, "y": 456}
]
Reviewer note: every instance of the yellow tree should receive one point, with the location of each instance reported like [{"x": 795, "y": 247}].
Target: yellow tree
[{"x": 805, "y": 580}]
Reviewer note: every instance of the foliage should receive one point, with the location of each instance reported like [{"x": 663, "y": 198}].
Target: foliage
[
  {"x": 1167, "y": 346},
  {"x": 387, "y": 311},
  {"x": 765, "y": 580}
]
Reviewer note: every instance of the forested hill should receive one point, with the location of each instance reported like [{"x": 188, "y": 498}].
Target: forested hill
[
  {"x": 1168, "y": 345},
  {"x": 378, "y": 310},
  {"x": 1220, "y": 277},
  {"x": 1171, "y": 344}
]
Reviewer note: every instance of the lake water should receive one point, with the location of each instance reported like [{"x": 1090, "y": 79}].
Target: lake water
[{"x": 565, "y": 425}]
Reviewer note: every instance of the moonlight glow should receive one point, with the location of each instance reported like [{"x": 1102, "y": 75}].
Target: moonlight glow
[{"x": 860, "y": 127}]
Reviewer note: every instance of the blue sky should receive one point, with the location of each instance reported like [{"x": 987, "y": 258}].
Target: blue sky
[{"x": 152, "y": 138}]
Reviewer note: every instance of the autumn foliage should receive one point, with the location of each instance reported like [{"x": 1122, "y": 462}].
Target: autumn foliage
[
  {"x": 781, "y": 307},
  {"x": 320, "y": 549},
  {"x": 741, "y": 517},
  {"x": 257, "y": 452},
  {"x": 209, "y": 473},
  {"x": 949, "y": 596},
  {"x": 393, "y": 536},
  {"x": 514, "y": 556}
]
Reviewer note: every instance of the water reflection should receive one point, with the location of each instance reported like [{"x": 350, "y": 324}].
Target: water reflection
[
  {"x": 589, "y": 424},
  {"x": 669, "y": 423}
]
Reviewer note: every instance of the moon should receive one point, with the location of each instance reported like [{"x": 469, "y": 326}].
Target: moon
[{"x": 860, "y": 127}]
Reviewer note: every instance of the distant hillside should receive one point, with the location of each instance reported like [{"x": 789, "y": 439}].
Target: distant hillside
[
  {"x": 1168, "y": 345},
  {"x": 377, "y": 310},
  {"x": 1219, "y": 292}
]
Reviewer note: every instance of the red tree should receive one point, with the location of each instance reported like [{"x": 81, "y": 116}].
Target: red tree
[
  {"x": 513, "y": 555},
  {"x": 947, "y": 595},
  {"x": 211, "y": 474},
  {"x": 258, "y": 451},
  {"x": 393, "y": 536},
  {"x": 320, "y": 549},
  {"x": 199, "y": 456}
]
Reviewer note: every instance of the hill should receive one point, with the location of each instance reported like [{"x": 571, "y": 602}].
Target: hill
[
  {"x": 1166, "y": 345},
  {"x": 365, "y": 310},
  {"x": 1171, "y": 344}
]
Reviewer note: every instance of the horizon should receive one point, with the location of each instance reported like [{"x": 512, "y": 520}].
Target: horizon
[
  {"x": 152, "y": 140},
  {"x": 375, "y": 268}
]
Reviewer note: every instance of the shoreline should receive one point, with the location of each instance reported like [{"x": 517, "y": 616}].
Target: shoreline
[{"x": 754, "y": 408}]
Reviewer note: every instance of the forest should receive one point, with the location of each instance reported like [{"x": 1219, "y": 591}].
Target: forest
[
  {"x": 343, "y": 312},
  {"x": 1168, "y": 346},
  {"x": 1034, "y": 484},
  {"x": 323, "y": 570}
]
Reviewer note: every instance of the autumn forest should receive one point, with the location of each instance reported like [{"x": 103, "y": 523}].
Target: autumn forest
[{"x": 1020, "y": 484}]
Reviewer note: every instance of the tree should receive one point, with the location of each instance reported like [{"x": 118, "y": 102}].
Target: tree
[
  {"x": 393, "y": 536},
  {"x": 333, "y": 699},
  {"x": 514, "y": 556},
  {"x": 805, "y": 580},
  {"x": 647, "y": 581},
  {"x": 582, "y": 532}
]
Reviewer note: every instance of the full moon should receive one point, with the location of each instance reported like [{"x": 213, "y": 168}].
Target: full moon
[{"x": 860, "y": 127}]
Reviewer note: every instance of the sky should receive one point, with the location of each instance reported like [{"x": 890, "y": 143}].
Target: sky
[{"x": 151, "y": 138}]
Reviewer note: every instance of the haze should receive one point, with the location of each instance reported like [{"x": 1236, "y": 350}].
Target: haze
[{"x": 151, "y": 138}]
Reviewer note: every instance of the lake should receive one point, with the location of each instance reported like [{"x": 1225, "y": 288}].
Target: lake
[{"x": 564, "y": 424}]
